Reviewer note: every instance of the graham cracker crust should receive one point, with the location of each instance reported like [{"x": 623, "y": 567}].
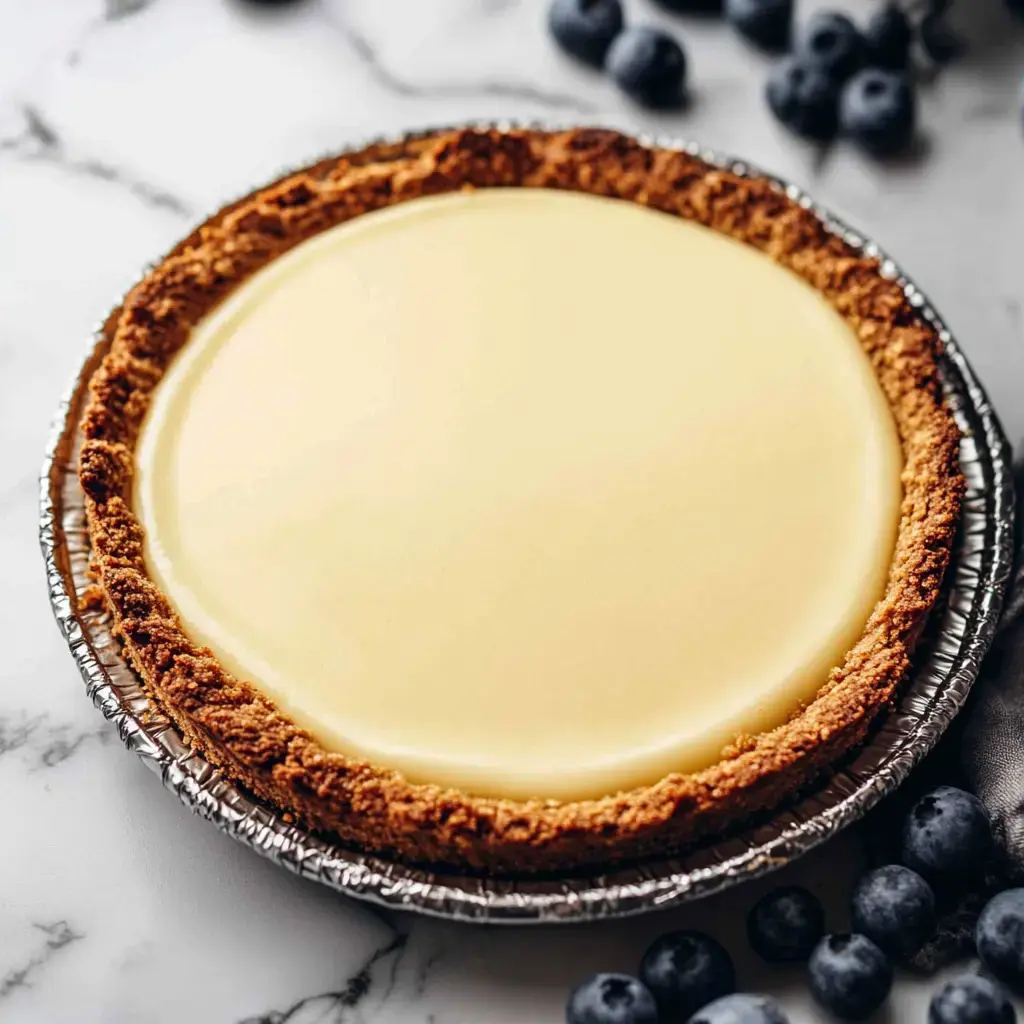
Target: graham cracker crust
[{"x": 373, "y": 808}]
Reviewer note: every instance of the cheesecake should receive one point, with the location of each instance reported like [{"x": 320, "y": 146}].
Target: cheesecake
[{"x": 520, "y": 501}]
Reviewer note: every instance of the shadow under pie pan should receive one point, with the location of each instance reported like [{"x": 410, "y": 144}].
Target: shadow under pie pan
[{"x": 946, "y": 663}]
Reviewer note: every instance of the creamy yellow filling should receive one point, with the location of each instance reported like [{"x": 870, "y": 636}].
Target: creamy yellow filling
[{"x": 531, "y": 493}]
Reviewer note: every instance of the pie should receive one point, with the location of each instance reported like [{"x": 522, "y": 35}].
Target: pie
[{"x": 520, "y": 501}]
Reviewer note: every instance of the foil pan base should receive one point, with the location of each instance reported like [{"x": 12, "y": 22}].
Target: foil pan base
[{"x": 937, "y": 689}]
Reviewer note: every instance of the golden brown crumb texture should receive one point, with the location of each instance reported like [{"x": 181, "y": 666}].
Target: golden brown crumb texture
[{"x": 376, "y": 809}]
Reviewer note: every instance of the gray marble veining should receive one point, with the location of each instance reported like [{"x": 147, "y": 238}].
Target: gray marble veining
[{"x": 53, "y": 937}]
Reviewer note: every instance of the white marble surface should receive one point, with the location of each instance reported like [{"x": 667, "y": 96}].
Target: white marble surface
[{"x": 120, "y": 123}]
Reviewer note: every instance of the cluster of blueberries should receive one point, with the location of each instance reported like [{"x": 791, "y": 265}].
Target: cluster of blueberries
[
  {"x": 836, "y": 80},
  {"x": 947, "y": 842}
]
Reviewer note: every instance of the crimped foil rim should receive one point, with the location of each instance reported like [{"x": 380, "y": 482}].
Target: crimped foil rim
[{"x": 939, "y": 686}]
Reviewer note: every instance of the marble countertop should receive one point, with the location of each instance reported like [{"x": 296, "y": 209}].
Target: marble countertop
[{"x": 120, "y": 124}]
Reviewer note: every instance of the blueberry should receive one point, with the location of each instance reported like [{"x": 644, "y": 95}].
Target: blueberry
[
  {"x": 765, "y": 22},
  {"x": 741, "y": 1009},
  {"x": 849, "y": 975},
  {"x": 585, "y": 28},
  {"x": 895, "y": 908},
  {"x": 611, "y": 999},
  {"x": 888, "y": 35},
  {"x": 685, "y": 971},
  {"x": 833, "y": 43},
  {"x": 786, "y": 924},
  {"x": 970, "y": 1000},
  {"x": 947, "y": 835},
  {"x": 804, "y": 99},
  {"x": 939, "y": 41},
  {"x": 878, "y": 110},
  {"x": 649, "y": 66},
  {"x": 999, "y": 936}
]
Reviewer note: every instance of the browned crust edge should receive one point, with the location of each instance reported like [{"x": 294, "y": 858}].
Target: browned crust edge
[{"x": 376, "y": 809}]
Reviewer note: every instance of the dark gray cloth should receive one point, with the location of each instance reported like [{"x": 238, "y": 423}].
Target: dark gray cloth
[{"x": 992, "y": 747}]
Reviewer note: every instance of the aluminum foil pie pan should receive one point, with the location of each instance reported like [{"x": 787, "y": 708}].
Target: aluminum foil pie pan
[{"x": 938, "y": 686}]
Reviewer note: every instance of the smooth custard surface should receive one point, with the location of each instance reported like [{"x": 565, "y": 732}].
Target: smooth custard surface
[{"x": 532, "y": 493}]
